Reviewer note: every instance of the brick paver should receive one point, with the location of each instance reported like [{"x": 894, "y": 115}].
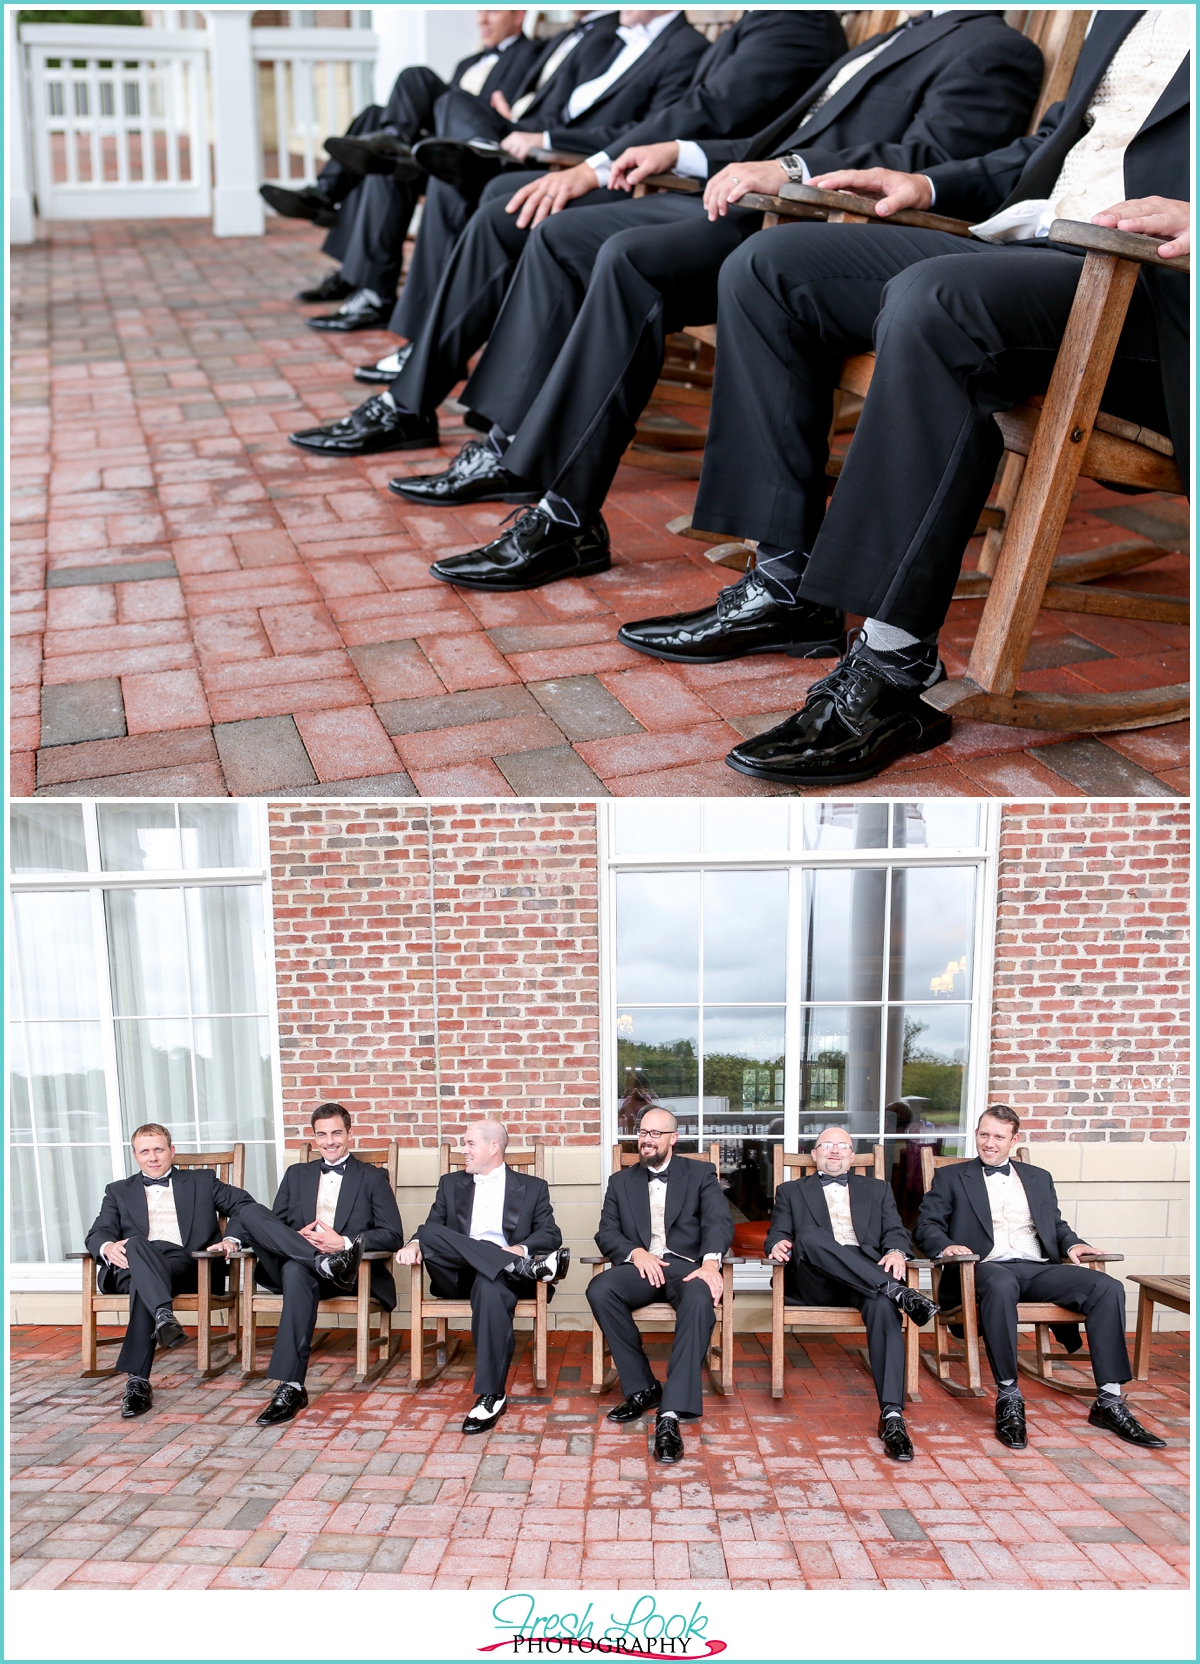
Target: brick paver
[
  {"x": 177, "y": 566},
  {"x": 376, "y": 1488}
]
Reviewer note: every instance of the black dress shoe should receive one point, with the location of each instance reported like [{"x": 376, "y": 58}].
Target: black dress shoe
[
  {"x": 169, "y": 1333},
  {"x": 287, "y": 1402},
  {"x": 374, "y": 426},
  {"x": 308, "y": 203},
  {"x": 1068, "y": 1337},
  {"x": 333, "y": 286},
  {"x": 918, "y": 1306},
  {"x": 1118, "y": 1418},
  {"x": 745, "y": 619},
  {"x": 543, "y": 1268},
  {"x": 896, "y": 1442},
  {"x": 467, "y": 165},
  {"x": 375, "y": 377},
  {"x": 137, "y": 1400},
  {"x": 1010, "y": 1422},
  {"x": 347, "y": 321},
  {"x": 536, "y": 549},
  {"x": 853, "y": 724},
  {"x": 343, "y": 1266},
  {"x": 485, "y": 1412},
  {"x": 636, "y": 1405},
  {"x": 372, "y": 153},
  {"x": 668, "y": 1441},
  {"x": 476, "y": 475}
]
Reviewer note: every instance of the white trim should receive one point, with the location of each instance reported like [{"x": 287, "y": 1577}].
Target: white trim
[{"x": 606, "y": 918}]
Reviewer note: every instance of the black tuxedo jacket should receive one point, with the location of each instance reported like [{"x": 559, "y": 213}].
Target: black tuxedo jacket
[
  {"x": 528, "y": 1219},
  {"x": 746, "y": 78},
  {"x": 1157, "y": 163},
  {"x": 366, "y": 1207},
  {"x": 697, "y": 1218},
  {"x": 956, "y": 1209},
  {"x": 800, "y": 1209},
  {"x": 598, "y": 45},
  {"x": 199, "y": 1197},
  {"x": 511, "y": 72},
  {"x": 658, "y": 78},
  {"x": 949, "y": 86}
]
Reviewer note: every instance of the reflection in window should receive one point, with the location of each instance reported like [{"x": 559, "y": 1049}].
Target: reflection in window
[{"x": 47, "y": 838}]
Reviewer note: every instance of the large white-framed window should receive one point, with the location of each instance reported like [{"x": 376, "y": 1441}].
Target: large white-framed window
[
  {"x": 774, "y": 967},
  {"x": 141, "y": 987}
]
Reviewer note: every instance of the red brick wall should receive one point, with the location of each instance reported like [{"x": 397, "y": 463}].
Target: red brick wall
[
  {"x": 1091, "y": 1008},
  {"x": 517, "y": 966}
]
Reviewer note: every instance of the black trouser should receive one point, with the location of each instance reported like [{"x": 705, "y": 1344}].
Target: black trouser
[
  {"x": 619, "y": 1292},
  {"x": 1000, "y": 1284},
  {"x": 464, "y": 1268},
  {"x": 962, "y": 329},
  {"x": 287, "y": 1265},
  {"x": 336, "y": 180},
  {"x": 826, "y": 1273},
  {"x": 157, "y": 1271}
]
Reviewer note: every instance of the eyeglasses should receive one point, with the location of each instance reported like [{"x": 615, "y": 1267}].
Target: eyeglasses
[
  {"x": 649, "y": 1132},
  {"x": 849, "y": 1148}
]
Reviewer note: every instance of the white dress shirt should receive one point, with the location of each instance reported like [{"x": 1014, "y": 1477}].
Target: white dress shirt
[
  {"x": 837, "y": 1200},
  {"x": 1013, "y": 1235},
  {"x": 487, "y": 1207},
  {"x": 474, "y": 80},
  {"x": 558, "y": 57},
  {"x": 658, "y": 1218},
  {"x": 328, "y": 1191}
]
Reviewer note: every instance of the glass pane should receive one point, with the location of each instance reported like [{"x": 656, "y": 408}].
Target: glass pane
[
  {"x": 154, "y": 1068},
  {"x": 57, "y": 955},
  {"x": 845, "y": 826},
  {"x": 228, "y": 949},
  {"x": 658, "y": 937},
  {"x": 839, "y": 1062},
  {"x": 138, "y": 837},
  {"x": 262, "y": 1178},
  {"x": 24, "y": 1216},
  {"x": 747, "y": 1173},
  {"x": 745, "y": 935},
  {"x": 933, "y": 915},
  {"x": 47, "y": 839},
  {"x": 657, "y": 1062},
  {"x": 843, "y": 934},
  {"x": 233, "y": 1080},
  {"x": 942, "y": 823},
  {"x": 734, "y": 828},
  {"x": 743, "y": 1072},
  {"x": 219, "y": 834},
  {"x": 927, "y": 1060},
  {"x": 146, "y": 952},
  {"x": 73, "y": 1183},
  {"x": 66, "y": 1081},
  {"x": 667, "y": 826}
]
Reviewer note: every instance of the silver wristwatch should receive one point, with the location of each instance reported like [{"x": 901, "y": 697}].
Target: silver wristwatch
[{"x": 795, "y": 169}]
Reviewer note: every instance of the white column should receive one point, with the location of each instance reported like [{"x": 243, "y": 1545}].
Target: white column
[
  {"x": 438, "y": 36},
  {"x": 237, "y": 206},
  {"x": 20, "y": 195}
]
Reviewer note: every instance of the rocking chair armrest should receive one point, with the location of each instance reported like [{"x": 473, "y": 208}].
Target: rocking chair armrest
[
  {"x": 218, "y": 1254},
  {"x": 84, "y": 1256},
  {"x": 949, "y": 1259},
  {"x": 674, "y": 182},
  {"x": 845, "y": 202},
  {"x": 595, "y": 1259},
  {"x": 380, "y": 1254},
  {"x": 1128, "y": 245},
  {"x": 556, "y": 158},
  {"x": 1100, "y": 1256}
]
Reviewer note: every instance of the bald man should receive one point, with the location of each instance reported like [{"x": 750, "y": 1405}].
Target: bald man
[
  {"x": 489, "y": 1238},
  {"x": 841, "y": 1237}
]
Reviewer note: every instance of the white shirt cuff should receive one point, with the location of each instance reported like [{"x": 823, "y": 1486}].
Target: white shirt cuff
[
  {"x": 104, "y": 1247},
  {"x": 932, "y": 189},
  {"x": 601, "y": 166},
  {"x": 546, "y": 145},
  {"x": 692, "y": 163},
  {"x": 708, "y": 1257}
]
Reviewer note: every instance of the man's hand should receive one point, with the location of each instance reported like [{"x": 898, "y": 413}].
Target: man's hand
[
  {"x": 533, "y": 202},
  {"x": 782, "y": 1251},
  {"x": 520, "y": 144},
  {"x": 710, "y": 1273},
  {"x": 642, "y": 161},
  {"x": 322, "y": 1238},
  {"x": 1153, "y": 216},
  {"x": 520, "y": 1249},
  {"x": 501, "y": 105},
  {"x": 1075, "y": 1255},
  {"x": 894, "y": 1264},
  {"x": 893, "y": 190},
  {"x": 649, "y": 1266},
  {"x": 229, "y": 1246},
  {"x": 955, "y": 1250},
  {"x": 732, "y": 183},
  {"x": 115, "y": 1254},
  {"x": 410, "y": 1254}
]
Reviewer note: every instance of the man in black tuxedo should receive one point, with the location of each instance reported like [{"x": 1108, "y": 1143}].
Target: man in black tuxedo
[
  {"x": 843, "y": 1242},
  {"x": 963, "y": 327},
  {"x": 489, "y": 1238},
  {"x": 143, "y": 1240},
  {"x": 327, "y": 1214},
  {"x": 666, "y": 1226},
  {"x": 1007, "y": 1212}
]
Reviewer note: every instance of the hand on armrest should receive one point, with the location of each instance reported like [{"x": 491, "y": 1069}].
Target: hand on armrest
[
  {"x": 1153, "y": 216},
  {"x": 891, "y": 190}
]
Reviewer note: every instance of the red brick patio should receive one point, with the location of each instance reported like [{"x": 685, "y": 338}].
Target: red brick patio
[
  {"x": 201, "y": 608},
  {"x": 378, "y": 1489}
]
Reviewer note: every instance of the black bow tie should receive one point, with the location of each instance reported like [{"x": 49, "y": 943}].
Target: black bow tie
[
  {"x": 832, "y": 1178},
  {"x": 1006, "y": 1169},
  {"x": 148, "y": 1182},
  {"x": 661, "y": 1177},
  {"x": 339, "y": 1169}
]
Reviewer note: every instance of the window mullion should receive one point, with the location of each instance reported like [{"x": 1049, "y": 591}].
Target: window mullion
[
  {"x": 108, "y": 1032},
  {"x": 793, "y": 1010},
  {"x": 885, "y": 1005}
]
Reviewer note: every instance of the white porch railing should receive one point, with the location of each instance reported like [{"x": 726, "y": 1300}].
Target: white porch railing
[{"x": 311, "y": 82}]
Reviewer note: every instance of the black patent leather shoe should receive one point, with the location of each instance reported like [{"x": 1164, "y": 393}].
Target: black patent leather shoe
[
  {"x": 745, "y": 619},
  {"x": 374, "y": 426},
  {"x": 668, "y": 1441},
  {"x": 333, "y": 286},
  {"x": 169, "y": 1333},
  {"x": 371, "y": 153},
  {"x": 543, "y": 1268},
  {"x": 476, "y": 475},
  {"x": 308, "y": 203},
  {"x": 467, "y": 165},
  {"x": 287, "y": 1402},
  {"x": 376, "y": 376},
  {"x": 485, "y": 1412},
  {"x": 1010, "y": 1423},
  {"x": 894, "y": 1436},
  {"x": 137, "y": 1400},
  {"x": 343, "y": 1266},
  {"x": 918, "y": 1306},
  {"x": 536, "y": 549},
  {"x": 1118, "y": 1418},
  {"x": 853, "y": 724},
  {"x": 636, "y": 1405},
  {"x": 347, "y": 322}
]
